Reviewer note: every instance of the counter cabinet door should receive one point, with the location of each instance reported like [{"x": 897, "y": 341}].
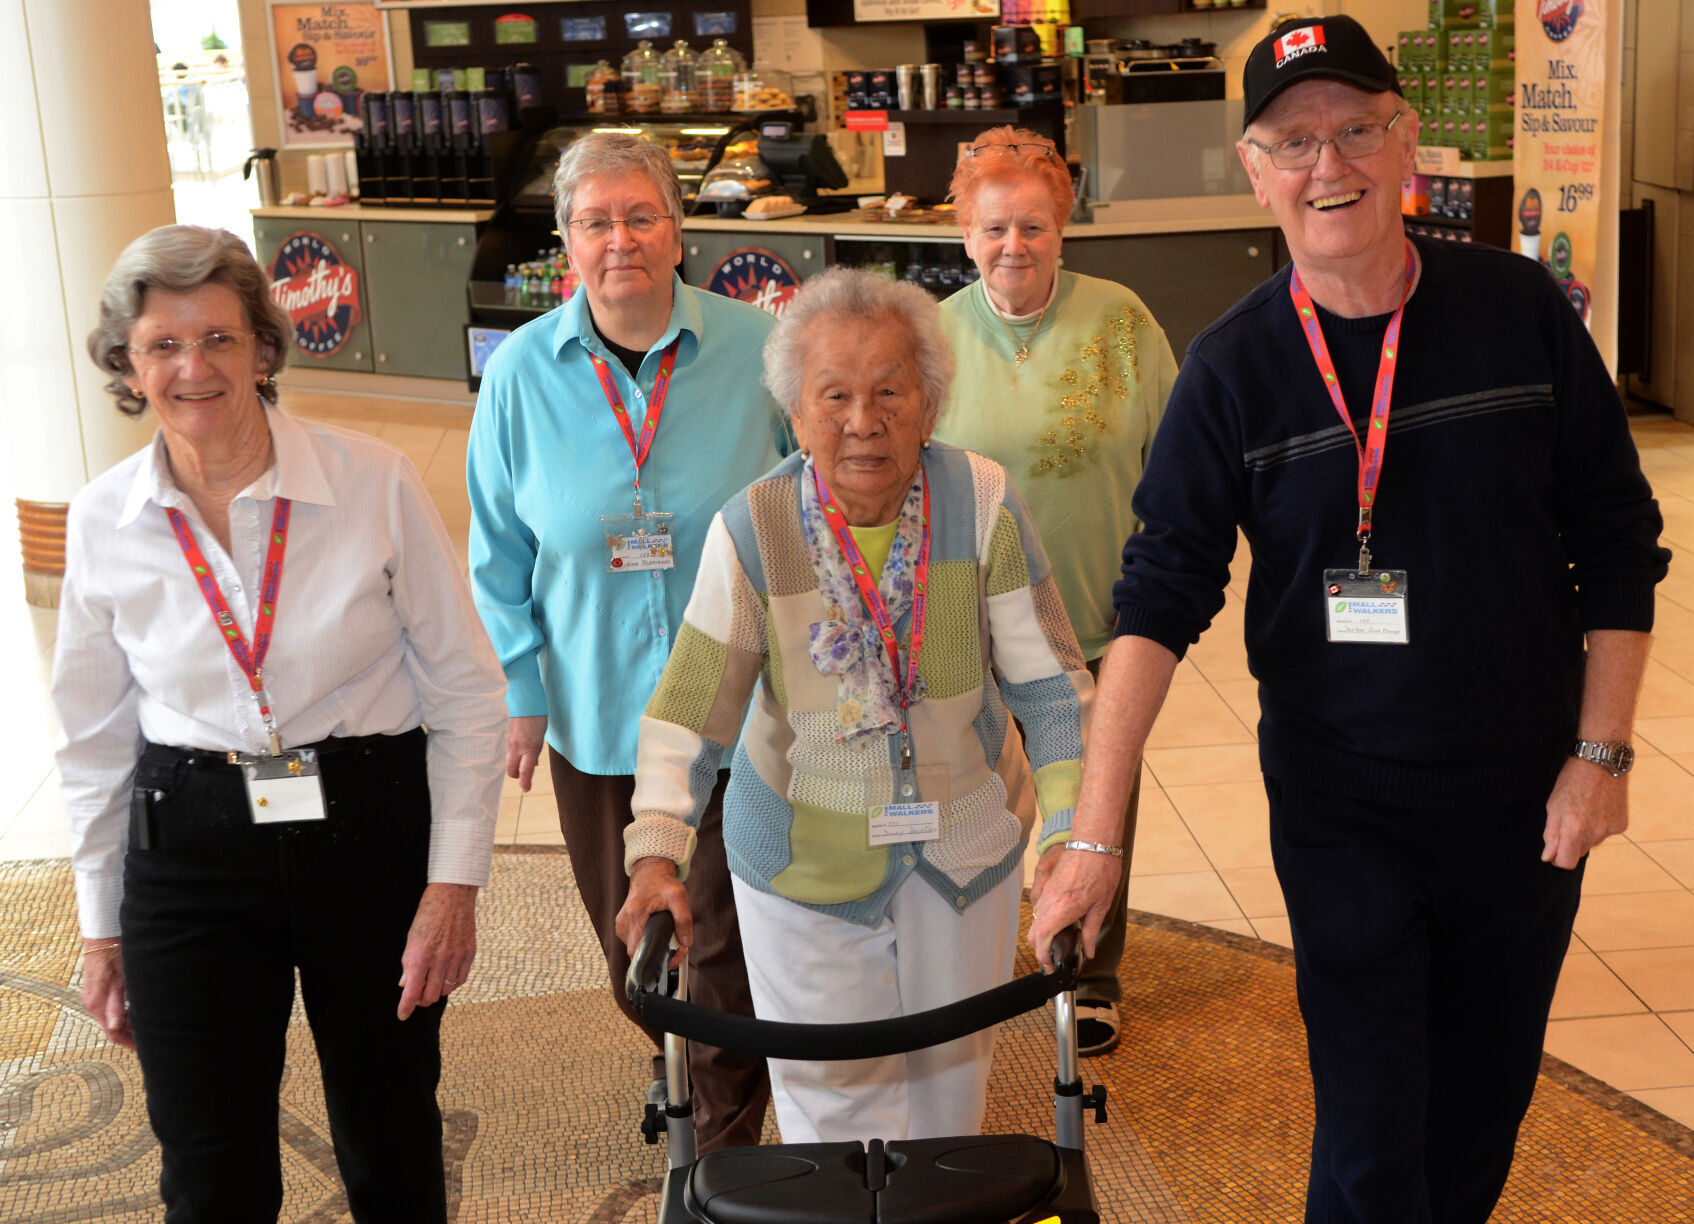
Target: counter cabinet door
[
  {"x": 419, "y": 273},
  {"x": 1187, "y": 280},
  {"x": 317, "y": 273},
  {"x": 757, "y": 266}
]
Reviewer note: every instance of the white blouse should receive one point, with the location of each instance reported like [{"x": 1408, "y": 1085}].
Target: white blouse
[{"x": 375, "y": 634}]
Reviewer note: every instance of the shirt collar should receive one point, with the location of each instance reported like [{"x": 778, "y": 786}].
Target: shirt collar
[
  {"x": 576, "y": 324},
  {"x": 295, "y": 472}
]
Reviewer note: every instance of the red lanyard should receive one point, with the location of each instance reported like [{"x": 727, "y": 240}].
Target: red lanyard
[
  {"x": 1376, "y": 443},
  {"x": 638, "y": 448},
  {"x": 251, "y": 660},
  {"x": 878, "y": 609}
]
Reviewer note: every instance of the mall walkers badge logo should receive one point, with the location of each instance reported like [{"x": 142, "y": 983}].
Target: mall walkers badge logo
[
  {"x": 1296, "y": 43},
  {"x": 1559, "y": 17},
  {"x": 319, "y": 290},
  {"x": 757, "y": 277}
]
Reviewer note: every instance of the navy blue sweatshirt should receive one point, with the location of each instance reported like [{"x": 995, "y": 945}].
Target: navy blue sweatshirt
[{"x": 1511, "y": 494}]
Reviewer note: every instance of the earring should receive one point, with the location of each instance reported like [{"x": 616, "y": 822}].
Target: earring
[
  {"x": 926, "y": 443},
  {"x": 804, "y": 453},
  {"x": 135, "y": 393}
]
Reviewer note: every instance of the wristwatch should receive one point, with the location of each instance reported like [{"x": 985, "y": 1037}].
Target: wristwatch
[{"x": 1614, "y": 756}]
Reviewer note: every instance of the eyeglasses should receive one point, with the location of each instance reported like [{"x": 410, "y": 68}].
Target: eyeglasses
[
  {"x": 596, "y": 228},
  {"x": 167, "y": 351},
  {"x": 1353, "y": 141},
  {"x": 1022, "y": 150}
]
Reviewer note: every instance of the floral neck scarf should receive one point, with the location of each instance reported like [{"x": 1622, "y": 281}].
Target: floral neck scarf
[{"x": 846, "y": 645}]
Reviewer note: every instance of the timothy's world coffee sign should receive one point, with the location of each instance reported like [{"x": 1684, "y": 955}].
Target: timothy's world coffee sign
[{"x": 319, "y": 290}]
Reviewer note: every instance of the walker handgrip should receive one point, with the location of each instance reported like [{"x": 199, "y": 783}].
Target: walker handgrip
[
  {"x": 647, "y": 966},
  {"x": 1065, "y": 944}
]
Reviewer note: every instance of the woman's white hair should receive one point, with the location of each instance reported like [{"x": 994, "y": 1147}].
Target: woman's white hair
[
  {"x": 846, "y": 299},
  {"x": 612, "y": 153}
]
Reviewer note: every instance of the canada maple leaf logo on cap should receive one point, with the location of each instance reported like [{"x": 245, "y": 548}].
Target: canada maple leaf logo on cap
[{"x": 1298, "y": 42}]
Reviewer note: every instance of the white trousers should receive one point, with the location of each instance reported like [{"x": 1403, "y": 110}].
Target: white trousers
[{"x": 809, "y": 968}]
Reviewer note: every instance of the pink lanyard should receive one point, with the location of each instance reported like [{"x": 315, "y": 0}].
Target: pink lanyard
[
  {"x": 251, "y": 660},
  {"x": 878, "y": 608},
  {"x": 1370, "y": 450},
  {"x": 638, "y": 448}
]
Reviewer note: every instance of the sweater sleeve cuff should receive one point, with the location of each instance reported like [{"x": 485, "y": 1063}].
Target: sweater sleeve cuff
[
  {"x": 1139, "y": 622},
  {"x": 657, "y": 835},
  {"x": 1617, "y": 605},
  {"x": 525, "y": 697}
]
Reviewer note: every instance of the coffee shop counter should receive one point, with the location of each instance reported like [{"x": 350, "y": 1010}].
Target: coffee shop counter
[
  {"x": 372, "y": 290},
  {"x": 1189, "y": 259}
]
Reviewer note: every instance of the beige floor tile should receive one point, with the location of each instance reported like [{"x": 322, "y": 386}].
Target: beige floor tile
[
  {"x": 1221, "y": 652},
  {"x": 1256, "y": 891},
  {"x": 1627, "y": 1052},
  {"x": 1670, "y": 736},
  {"x": 1676, "y": 857},
  {"x": 553, "y": 838},
  {"x": 1193, "y": 766},
  {"x": 1230, "y": 820},
  {"x": 1237, "y": 926},
  {"x": 1618, "y": 866},
  {"x": 1274, "y": 930},
  {"x": 1163, "y": 844},
  {"x": 1674, "y": 1103},
  {"x": 1197, "y": 896},
  {"x": 1664, "y": 694},
  {"x": 1663, "y": 978},
  {"x": 44, "y": 814},
  {"x": 538, "y": 814},
  {"x": 1678, "y": 513},
  {"x": 1195, "y": 716},
  {"x": 1187, "y": 673},
  {"x": 1242, "y": 696},
  {"x": 35, "y": 846},
  {"x": 1682, "y": 1024},
  {"x": 1661, "y": 801},
  {"x": 506, "y": 820},
  {"x": 1588, "y": 988},
  {"x": 1637, "y": 920}
]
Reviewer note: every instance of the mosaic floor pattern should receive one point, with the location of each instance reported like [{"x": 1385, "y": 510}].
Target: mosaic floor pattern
[{"x": 1210, "y": 1103}]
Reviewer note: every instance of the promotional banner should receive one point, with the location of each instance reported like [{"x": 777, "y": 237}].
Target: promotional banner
[
  {"x": 924, "y": 10},
  {"x": 319, "y": 289},
  {"x": 755, "y": 276},
  {"x": 326, "y": 57},
  {"x": 1561, "y": 93}
]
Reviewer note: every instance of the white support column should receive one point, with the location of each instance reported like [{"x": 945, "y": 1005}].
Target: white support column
[{"x": 83, "y": 172}]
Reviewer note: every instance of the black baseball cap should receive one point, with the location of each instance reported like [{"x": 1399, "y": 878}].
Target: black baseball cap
[{"x": 1335, "y": 48}]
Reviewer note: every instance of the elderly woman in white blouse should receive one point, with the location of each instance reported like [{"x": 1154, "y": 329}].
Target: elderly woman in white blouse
[{"x": 259, "y": 616}]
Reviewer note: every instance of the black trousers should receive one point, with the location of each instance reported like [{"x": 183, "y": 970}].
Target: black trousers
[
  {"x": 217, "y": 914},
  {"x": 1427, "y": 943}
]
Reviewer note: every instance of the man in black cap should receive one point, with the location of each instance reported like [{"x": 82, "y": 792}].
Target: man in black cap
[{"x": 1448, "y": 646}]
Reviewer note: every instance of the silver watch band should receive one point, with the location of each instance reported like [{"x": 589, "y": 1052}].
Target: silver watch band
[{"x": 1095, "y": 848}]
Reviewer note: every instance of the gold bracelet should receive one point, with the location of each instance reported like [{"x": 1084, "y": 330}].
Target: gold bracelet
[{"x": 111, "y": 945}]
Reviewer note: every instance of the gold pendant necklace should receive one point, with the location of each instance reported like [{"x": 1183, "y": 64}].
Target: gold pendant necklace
[{"x": 1021, "y": 354}]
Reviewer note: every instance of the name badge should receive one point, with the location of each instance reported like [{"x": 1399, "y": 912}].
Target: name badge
[
  {"x": 638, "y": 542},
  {"x": 1369, "y": 608},
  {"x": 283, "y": 789},
  {"x": 893, "y": 823}
]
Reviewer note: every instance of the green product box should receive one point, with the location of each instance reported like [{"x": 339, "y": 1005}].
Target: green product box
[
  {"x": 422, "y": 81},
  {"x": 476, "y": 79},
  {"x": 1482, "y": 151},
  {"x": 1498, "y": 85}
]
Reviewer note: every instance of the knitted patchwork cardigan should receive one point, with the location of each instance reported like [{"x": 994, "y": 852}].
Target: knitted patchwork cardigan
[{"x": 796, "y": 813}]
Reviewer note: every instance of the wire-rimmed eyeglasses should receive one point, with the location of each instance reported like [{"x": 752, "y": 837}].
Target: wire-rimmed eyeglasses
[
  {"x": 166, "y": 349},
  {"x": 1353, "y": 141},
  {"x": 596, "y": 228}
]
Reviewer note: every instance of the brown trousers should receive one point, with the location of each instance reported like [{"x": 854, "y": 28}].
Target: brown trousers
[{"x": 730, "y": 1090}]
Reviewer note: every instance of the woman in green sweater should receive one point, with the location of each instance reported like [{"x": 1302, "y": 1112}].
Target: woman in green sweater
[{"x": 1061, "y": 379}]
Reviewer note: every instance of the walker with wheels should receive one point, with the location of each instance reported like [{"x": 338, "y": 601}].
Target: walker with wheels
[{"x": 971, "y": 1179}]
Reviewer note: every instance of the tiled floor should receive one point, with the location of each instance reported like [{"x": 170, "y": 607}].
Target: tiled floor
[{"x": 1625, "y": 1007}]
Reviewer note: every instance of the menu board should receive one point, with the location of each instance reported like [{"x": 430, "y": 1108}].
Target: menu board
[
  {"x": 923, "y": 10},
  {"x": 1557, "y": 156},
  {"x": 326, "y": 57}
]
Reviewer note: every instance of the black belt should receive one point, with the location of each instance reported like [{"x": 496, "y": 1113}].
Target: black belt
[{"x": 207, "y": 758}]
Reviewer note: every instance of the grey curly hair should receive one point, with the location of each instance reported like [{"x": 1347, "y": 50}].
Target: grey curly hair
[
  {"x": 847, "y": 297},
  {"x": 180, "y": 259}
]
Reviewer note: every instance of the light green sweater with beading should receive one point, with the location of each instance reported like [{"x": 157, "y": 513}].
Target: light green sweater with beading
[{"x": 1072, "y": 425}]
